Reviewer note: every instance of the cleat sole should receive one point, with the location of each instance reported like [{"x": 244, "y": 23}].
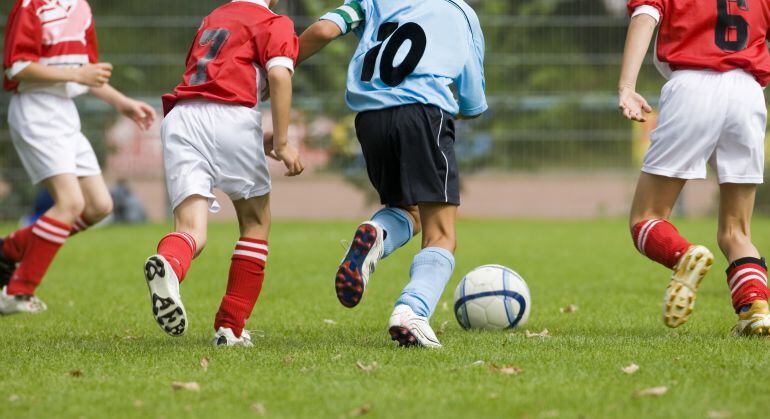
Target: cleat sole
[
  {"x": 679, "y": 300},
  {"x": 404, "y": 338},
  {"x": 168, "y": 314},
  {"x": 349, "y": 281}
]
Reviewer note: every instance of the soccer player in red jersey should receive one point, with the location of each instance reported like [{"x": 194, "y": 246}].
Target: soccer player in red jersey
[
  {"x": 212, "y": 137},
  {"x": 49, "y": 57},
  {"x": 712, "y": 110}
]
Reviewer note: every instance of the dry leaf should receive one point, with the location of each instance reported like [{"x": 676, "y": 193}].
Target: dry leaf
[
  {"x": 76, "y": 373},
  {"x": 442, "y": 328},
  {"x": 476, "y": 363},
  {"x": 631, "y": 369},
  {"x": 506, "y": 369},
  {"x": 205, "y": 364},
  {"x": 569, "y": 309},
  {"x": 329, "y": 321},
  {"x": 716, "y": 414},
  {"x": 360, "y": 411},
  {"x": 259, "y": 408},
  {"x": 493, "y": 396},
  {"x": 288, "y": 359},
  {"x": 654, "y": 391},
  {"x": 445, "y": 306},
  {"x": 13, "y": 398},
  {"x": 337, "y": 357},
  {"x": 257, "y": 333},
  {"x": 367, "y": 368},
  {"x": 138, "y": 404},
  {"x": 190, "y": 386},
  {"x": 543, "y": 334}
]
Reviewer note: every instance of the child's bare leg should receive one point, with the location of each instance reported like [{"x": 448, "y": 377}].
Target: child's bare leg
[{"x": 98, "y": 202}]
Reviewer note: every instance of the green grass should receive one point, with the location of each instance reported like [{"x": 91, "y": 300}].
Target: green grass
[{"x": 99, "y": 323}]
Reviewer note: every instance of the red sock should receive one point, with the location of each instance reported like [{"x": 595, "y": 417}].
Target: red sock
[
  {"x": 660, "y": 241},
  {"x": 46, "y": 238},
  {"x": 179, "y": 250},
  {"x": 81, "y": 225},
  {"x": 15, "y": 244},
  {"x": 747, "y": 279},
  {"x": 247, "y": 270}
]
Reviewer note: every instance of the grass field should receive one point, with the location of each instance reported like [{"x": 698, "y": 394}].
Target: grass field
[{"x": 97, "y": 352}]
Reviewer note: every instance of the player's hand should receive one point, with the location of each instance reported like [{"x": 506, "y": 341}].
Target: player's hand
[
  {"x": 290, "y": 157},
  {"x": 632, "y": 105},
  {"x": 139, "y": 112},
  {"x": 94, "y": 75},
  {"x": 269, "y": 149}
]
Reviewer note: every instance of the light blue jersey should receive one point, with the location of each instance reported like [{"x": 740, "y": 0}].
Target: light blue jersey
[{"x": 413, "y": 51}]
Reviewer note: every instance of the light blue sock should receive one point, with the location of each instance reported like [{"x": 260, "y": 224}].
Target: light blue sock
[
  {"x": 398, "y": 228},
  {"x": 430, "y": 272}
]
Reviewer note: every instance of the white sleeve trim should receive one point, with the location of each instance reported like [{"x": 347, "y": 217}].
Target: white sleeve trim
[
  {"x": 647, "y": 10},
  {"x": 17, "y": 68},
  {"x": 281, "y": 62}
]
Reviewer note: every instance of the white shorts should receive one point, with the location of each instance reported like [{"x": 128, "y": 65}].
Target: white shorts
[
  {"x": 710, "y": 117},
  {"x": 209, "y": 145},
  {"x": 45, "y": 130}
]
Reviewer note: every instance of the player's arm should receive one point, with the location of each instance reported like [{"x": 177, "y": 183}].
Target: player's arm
[
  {"x": 141, "y": 113},
  {"x": 640, "y": 33},
  {"x": 279, "y": 78},
  {"x": 329, "y": 27},
  {"x": 93, "y": 75},
  {"x": 317, "y": 37},
  {"x": 471, "y": 82}
]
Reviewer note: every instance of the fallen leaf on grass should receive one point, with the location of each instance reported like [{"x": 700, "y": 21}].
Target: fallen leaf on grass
[
  {"x": 442, "y": 328},
  {"x": 476, "y": 363},
  {"x": 653, "y": 391},
  {"x": 257, "y": 334},
  {"x": 76, "y": 373},
  {"x": 13, "y": 398},
  {"x": 506, "y": 369},
  {"x": 337, "y": 357},
  {"x": 367, "y": 368},
  {"x": 569, "y": 309},
  {"x": 631, "y": 369},
  {"x": 288, "y": 359},
  {"x": 329, "y": 321},
  {"x": 543, "y": 334},
  {"x": 359, "y": 411},
  {"x": 716, "y": 414},
  {"x": 190, "y": 386},
  {"x": 259, "y": 408},
  {"x": 493, "y": 396},
  {"x": 445, "y": 306},
  {"x": 205, "y": 364},
  {"x": 138, "y": 404}
]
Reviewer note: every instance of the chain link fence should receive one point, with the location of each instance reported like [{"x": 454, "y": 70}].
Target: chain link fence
[{"x": 551, "y": 83}]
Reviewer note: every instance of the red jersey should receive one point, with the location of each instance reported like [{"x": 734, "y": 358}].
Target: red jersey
[
  {"x": 234, "y": 48},
  {"x": 50, "y": 32},
  {"x": 719, "y": 35}
]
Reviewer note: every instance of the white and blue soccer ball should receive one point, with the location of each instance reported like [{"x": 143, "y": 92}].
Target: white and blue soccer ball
[{"x": 492, "y": 297}]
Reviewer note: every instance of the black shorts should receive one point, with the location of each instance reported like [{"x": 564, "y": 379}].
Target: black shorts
[{"x": 409, "y": 152}]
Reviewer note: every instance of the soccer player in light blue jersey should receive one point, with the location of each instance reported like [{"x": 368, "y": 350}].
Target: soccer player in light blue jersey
[{"x": 410, "y": 54}]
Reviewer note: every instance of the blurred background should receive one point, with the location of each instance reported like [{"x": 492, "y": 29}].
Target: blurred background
[{"x": 552, "y": 144}]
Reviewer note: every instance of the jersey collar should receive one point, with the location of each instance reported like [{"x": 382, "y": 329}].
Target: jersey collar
[{"x": 262, "y": 3}]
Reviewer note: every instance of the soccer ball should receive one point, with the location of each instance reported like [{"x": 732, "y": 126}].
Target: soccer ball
[{"x": 492, "y": 297}]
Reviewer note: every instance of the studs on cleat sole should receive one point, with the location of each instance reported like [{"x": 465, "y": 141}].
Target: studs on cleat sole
[
  {"x": 349, "y": 281},
  {"x": 403, "y": 337}
]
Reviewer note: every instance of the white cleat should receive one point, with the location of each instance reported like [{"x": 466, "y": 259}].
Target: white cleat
[
  {"x": 409, "y": 329},
  {"x": 225, "y": 337},
  {"x": 14, "y": 304},
  {"x": 679, "y": 299},
  {"x": 359, "y": 263},
  {"x": 167, "y": 305},
  {"x": 754, "y": 322}
]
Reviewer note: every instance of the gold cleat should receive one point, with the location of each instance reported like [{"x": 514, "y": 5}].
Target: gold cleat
[
  {"x": 679, "y": 299},
  {"x": 754, "y": 322}
]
